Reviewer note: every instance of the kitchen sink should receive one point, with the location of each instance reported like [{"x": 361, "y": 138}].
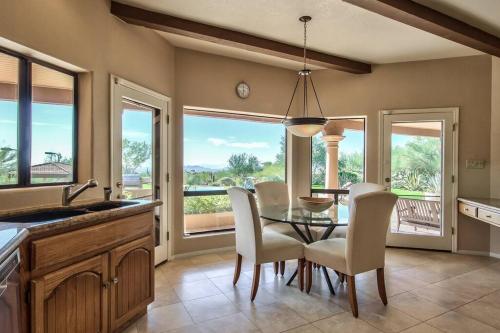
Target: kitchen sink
[
  {"x": 106, "y": 205},
  {"x": 47, "y": 216},
  {"x": 64, "y": 213}
]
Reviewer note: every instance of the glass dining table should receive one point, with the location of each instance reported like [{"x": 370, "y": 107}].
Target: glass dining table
[{"x": 310, "y": 226}]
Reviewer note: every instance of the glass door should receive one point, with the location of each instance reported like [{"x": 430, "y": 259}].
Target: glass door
[
  {"x": 418, "y": 166},
  {"x": 138, "y": 160}
]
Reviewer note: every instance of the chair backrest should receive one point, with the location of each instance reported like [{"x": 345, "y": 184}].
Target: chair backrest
[
  {"x": 272, "y": 194},
  {"x": 362, "y": 188},
  {"x": 247, "y": 222},
  {"x": 366, "y": 234}
]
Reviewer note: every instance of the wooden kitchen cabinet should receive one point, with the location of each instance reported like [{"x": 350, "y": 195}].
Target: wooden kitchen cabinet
[
  {"x": 132, "y": 276},
  {"x": 96, "y": 279},
  {"x": 72, "y": 299}
]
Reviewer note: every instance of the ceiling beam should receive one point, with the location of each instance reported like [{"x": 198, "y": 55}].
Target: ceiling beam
[
  {"x": 176, "y": 25},
  {"x": 430, "y": 20}
]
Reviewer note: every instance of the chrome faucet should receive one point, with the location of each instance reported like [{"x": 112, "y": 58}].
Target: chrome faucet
[{"x": 68, "y": 196}]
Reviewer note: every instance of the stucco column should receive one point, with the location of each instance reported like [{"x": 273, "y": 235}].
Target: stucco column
[{"x": 332, "y": 160}]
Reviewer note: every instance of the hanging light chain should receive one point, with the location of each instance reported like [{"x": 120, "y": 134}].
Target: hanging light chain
[{"x": 305, "y": 44}]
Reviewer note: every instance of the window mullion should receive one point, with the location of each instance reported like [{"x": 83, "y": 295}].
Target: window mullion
[{"x": 24, "y": 124}]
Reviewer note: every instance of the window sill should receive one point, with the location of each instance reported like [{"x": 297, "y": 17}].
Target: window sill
[{"x": 209, "y": 234}]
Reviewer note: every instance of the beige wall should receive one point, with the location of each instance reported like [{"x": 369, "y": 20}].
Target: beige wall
[
  {"x": 83, "y": 33},
  {"x": 461, "y": 82},
  {"x": 208, "y": 81},
  {"x": 495, "y": 148}
]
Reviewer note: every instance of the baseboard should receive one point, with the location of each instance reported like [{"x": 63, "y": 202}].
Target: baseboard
[
  {"x": 201, "y": 252},
  {"x": 478, "y": 253},
  {"x": 495, "y": 255}
]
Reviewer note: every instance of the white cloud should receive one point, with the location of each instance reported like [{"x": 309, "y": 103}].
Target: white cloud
[{"x": 246, "y": 145}]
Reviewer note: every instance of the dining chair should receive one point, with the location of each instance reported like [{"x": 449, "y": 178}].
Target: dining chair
[
  {"x": 256, "y": 246},
  {"x": 354, "y": 191},
  {"x": 275, "y": 194},
  {"x": 364, "y": 247}
]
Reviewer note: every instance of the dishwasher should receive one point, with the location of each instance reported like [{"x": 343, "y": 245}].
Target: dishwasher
[{"x": 10, "y": 297}]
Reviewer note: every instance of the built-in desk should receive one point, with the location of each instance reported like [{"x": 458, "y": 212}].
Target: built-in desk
[{"x": 483, "y": 209}]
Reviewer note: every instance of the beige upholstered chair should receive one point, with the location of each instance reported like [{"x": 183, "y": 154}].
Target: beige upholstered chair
[
  {"x": 354, "y": 191},
  {"x": 275, "y": 194},
  {"x": 256, "y": 246},
  {"x": 364, "y": 247}
]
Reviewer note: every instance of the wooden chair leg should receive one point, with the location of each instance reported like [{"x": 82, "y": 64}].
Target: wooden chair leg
[
  {"x": 276, "y": 264},
  {"x": 351, "y": 285},
  {"x": 237, "y": 269},
  {"x": 300, "y": 268},
  {"x": 308, "y": 276},
  {"x": 255, "y": 282},
  {"x": 282, "y": 268},
  {"x": 381, "y": 285}
]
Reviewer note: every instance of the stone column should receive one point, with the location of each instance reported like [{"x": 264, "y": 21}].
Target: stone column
[{"x": 332, "y": 159}]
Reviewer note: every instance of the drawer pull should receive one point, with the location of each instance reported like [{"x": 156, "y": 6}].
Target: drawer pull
[
  {"x": 466, "y": 209},
  {"x": 488, "y": 216}
]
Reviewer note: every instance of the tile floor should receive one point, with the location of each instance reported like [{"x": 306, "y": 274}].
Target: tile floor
[{"x": 428, "y": 292}]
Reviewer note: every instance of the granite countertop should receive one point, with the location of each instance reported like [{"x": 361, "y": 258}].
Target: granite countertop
[
  {"x": 486, "y": 203},
  {"x": 12, "y": 234}
]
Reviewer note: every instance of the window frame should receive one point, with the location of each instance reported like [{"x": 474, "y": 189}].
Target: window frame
[
  {"x": 336, "y": 192},
  {"x": 24, "y": 116},
  {"x": 223, "y": 115}
]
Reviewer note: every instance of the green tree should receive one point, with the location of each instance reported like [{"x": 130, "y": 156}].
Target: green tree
[
  {"x": 350, "y": 168},
  {"x": 243, "y": 165},
  {"x": 318, "y": 166},
  {"x": 8, "y": 162},
  {"x": 280, "y": 157},
  {"x": 134, "y": 153},
  {"x": 51, "y": 157}
]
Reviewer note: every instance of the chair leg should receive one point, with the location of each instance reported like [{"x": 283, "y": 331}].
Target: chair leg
[
  {"x": 301, "y": 273},
  {"x": 381, "y": 285},
  {"x": 237, "y": 269},
  {"x": 308, "y": 276},
  {"x": 255, "y": 282},
  {"x": 276, "y": 264},
  {"x": 351, "y": 285},
  {"x": 282, "y": 268}
]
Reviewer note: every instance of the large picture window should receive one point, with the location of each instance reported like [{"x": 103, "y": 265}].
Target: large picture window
[
  {"x": 338, "y": 156},
  {"x": 37, "y": 123},
  {"x": 223, "y": 150}
]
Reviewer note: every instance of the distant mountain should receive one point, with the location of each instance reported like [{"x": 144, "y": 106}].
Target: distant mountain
[{"x": 200, "y": 168}]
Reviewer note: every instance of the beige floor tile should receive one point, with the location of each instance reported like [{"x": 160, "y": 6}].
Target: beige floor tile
[
  {"x": 207, "y": 308},
  {"x": 236, "y": 323},
  {"x": 416, "y": 307},
  {"x": 131, "y": 329},
  {"x": 225, "y": 283},
  {"x": 274, "y": 317},
  {"x": 370, "y": 287},
  {"x": 164, "y": 318},
  {"x": 164, "y": 295},
  {"x": 422, "y": 328},
  {"x": 386, "y": 318},
  {"x": 193, "y": 290},
  {"x": 486, "y": 310},
  {"x": 442, "y": 297},
  {"x": 188, "y": 329},
  {"x": 467, "y": 286},
  {"x": 304, "y": 329},
  {"x": 341, "y": 296},
  {"x": 241, "y": 297},
  {"x": 181, "y": 274},
  {"x": 344, "y": 322},
  {"x": 206, "y": 259},
  {"x": 457, "y": 323},
  {"x": 218, "y": 269}
]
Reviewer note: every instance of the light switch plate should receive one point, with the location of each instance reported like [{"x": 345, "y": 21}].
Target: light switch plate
[{"x": 475, "y": 164}]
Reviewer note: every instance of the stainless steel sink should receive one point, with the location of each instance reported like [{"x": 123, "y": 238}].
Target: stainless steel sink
[{"x": 64, "y": 213}]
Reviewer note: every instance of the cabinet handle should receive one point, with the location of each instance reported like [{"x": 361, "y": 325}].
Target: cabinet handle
[
  {"x": 105, "y": 285},
  {"x": 488, "y": 216},
  {"x": 115, "y": 280}
]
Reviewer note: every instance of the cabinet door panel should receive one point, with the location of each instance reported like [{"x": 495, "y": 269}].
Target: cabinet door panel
[
  {"x": 132, "y": 270},
  {"x": 72, "y": 299}
]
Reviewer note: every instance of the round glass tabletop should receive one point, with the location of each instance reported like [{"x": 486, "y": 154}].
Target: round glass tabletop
[{"x": 337, "y": 215}]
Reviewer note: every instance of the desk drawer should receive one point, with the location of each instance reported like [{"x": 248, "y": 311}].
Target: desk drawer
[
  {"x": 467, "y": 209},
  {"x": 488, "y": 216}
]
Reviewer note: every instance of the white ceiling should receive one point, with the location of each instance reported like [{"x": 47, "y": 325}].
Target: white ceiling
[{"x": 337, "y": 27}]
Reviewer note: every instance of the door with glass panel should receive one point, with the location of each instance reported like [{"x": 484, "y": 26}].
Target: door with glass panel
[
  {"x": 139, "y": 152},
  {"x": 418, "y": 165}
]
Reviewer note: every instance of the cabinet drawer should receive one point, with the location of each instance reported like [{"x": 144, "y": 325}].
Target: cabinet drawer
[
  {"x": 57, "y": 249},
  {"x": 488, "y": 216},
  {"x": 467, "y": 209}
]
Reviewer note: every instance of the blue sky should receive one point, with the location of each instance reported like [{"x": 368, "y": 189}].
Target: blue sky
[
  {"x": 52, "y": 129},
  {"x": 138, "y": 126}
]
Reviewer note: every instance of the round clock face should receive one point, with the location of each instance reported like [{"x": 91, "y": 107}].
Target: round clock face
[{"x": 243, "y": 90}]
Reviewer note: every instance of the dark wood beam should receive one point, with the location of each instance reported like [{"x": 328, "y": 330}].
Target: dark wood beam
[
  {"x": 176, "y": 25},
  {"x": 430, "y": 20}
]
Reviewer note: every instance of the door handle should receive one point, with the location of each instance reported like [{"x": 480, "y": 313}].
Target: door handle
[
  {"x": 387, "y": 180},
  {"x": 118, "y": 184}
]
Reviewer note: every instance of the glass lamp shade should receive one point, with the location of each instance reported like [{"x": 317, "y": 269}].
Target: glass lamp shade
[{"x": 305, "y": 127}]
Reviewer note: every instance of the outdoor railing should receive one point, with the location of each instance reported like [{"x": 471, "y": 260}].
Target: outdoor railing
[{"x": 333, "y": 191}]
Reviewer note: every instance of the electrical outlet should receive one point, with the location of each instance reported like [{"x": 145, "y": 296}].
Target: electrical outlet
[{"x": 475, "y": 164}]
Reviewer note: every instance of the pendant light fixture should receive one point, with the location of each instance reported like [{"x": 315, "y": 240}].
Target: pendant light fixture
[{"x": 305, "y": 126}]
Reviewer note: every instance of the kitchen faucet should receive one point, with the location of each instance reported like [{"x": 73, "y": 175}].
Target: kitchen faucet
[{"x": 68, "y": 196}]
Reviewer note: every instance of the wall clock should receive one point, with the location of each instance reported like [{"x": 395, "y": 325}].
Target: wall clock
[{"x": 242, "y": 90}]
